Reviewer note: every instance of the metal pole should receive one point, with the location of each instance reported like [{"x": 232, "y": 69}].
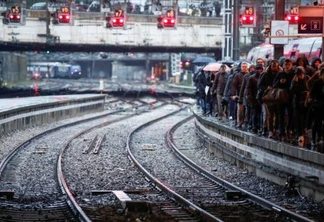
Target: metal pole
[
  {"x": 147, "y": 65},
  {"x": 279, "y": 15},
  {"x": 228, "y": 29},
  {"x": 48, "y": 18},
  {"x": 236, "y": 31}
]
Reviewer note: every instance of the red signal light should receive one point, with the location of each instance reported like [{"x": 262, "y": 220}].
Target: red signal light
[
  {"x": 247, "y": 19},
  {"x": 292, "y": 18},
  {"x": 168, "y": 22},
  {"x": 118, "y": 22},
  {"x": 64, "y": 18},
  {"x": 14, "y": 17}
]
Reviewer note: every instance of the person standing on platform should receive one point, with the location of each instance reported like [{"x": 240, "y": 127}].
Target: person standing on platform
[
  {"x": 243, "y": 98},
  {"x": 266, "y": 83},
  {"x": 235, "y": 90},
  {"x": 226, "y": 101},
  {"x": 218, "y": 89},
  {"x": 299, "y": 92},
  {"x": 202, "y": 83},
  {"x": 317, "y": 107},
  {"x": 217, "y": 6},
  {"x": 283, "y": 81},
  {"x": 252, "y": 102},
  {"x": 203, "y": 8},
  {"x": 209, "y": 98},
  {"x": 302, "y": 61}
]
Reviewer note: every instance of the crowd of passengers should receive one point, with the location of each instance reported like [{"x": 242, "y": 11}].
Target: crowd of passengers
[{"x": 237, "y": 96}]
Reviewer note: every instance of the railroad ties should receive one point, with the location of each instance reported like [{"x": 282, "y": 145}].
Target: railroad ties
[{"x": 94, "y": 145}]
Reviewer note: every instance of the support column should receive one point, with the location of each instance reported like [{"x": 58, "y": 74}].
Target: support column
[
  {"x": 279, "y": 15},
  {"x": 48, "y": 20},
  {"x": 228, "y": 30},
  {"x": 236, "y": 31}
]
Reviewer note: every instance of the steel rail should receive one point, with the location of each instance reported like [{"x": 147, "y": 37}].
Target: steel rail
[
  {"x": 206, "y": 216},
  {"x": 71, "y": 202},
  {"x": 265, "y": 203},
  {"x": 77, "y": 210}
]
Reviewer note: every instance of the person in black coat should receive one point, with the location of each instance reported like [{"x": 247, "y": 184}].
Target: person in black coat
[
  {"x": 235, "y": 93},
  {"x": 226, "y": 101},
  {"x": 251, "y": 99},
  {"x": 283, "y": 81},
  {"x": 299, "y": 92},
  {"x": 266, "y": 83},
  {"x": 317, "y": 107},
  {"x": 202, "y": 82},
  {"x": 218, "y": 88}
]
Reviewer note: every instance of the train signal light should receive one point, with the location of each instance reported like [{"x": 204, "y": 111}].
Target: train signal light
[
  {"x": 168, "y": 20},
  {"x": 292, "y": 19},
  {"x": 14, "y": 15},
  {"x": 117, "y": 20},
  {"x": 62, "y": 16},
  {"x": 248, "y": 17}
]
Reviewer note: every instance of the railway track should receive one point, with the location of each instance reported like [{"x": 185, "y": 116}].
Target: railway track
[
  {"x": 171, "y": 193},
  {"x": 37, "y": 194},
  {"x": 204, "y": 195}
]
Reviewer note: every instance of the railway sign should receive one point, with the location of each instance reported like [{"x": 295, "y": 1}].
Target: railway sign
[
  {"x": 279, "y": 28},
  {"x": 310, "y": 25},
  {"x": 310, "y": 20}
]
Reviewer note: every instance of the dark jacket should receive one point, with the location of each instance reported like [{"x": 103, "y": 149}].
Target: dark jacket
[
  {"x": 243, "y": 90},
  {"x": 299, "y": 92},
  {"x": 315, "y": 75},
  {"x": 252, "y": 90},
  {"x": 317, "y": 92},
  {"x": 227, "y": 90},
  {"x": 266, "y": 80},
  {"x": 219, "y": 83},
  {"x": 202, "y": 82},
  {"x": 236, "y": 84},
  {"x": 283, "y": 75}
]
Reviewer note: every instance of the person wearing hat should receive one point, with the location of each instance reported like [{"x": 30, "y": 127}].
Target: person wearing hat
[
  {"x": 251, "y": 98},
  {"x": 283, "y": 81},
  {"x": 299, "y": 92}
]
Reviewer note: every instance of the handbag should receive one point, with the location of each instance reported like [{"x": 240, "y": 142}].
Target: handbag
[{"x": 275, "y": 96}]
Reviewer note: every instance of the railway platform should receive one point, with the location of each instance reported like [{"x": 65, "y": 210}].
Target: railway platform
[
  {"x": 20, "y": 113},
  {"x": 294, "y": 166}
]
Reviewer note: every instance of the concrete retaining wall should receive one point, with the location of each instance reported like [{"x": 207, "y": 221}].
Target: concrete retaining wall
[
  {"x": 36, "y": 115},
  {"x": 270, "y": 159}
]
